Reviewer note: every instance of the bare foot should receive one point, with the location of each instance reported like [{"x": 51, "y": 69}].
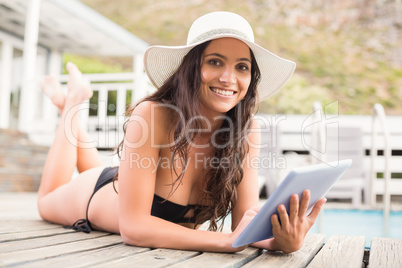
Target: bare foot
[
  {"x": 77, "y": 88},
  {"x": 52, "y": 89}
]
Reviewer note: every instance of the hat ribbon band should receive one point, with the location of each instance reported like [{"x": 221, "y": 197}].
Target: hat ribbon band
[{"x": 217, "y": 32}]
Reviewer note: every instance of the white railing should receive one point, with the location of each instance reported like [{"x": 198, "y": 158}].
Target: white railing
[{"x": 379, "y": 116}]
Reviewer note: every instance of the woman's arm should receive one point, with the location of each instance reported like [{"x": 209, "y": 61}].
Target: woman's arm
[
  {"x": 290, "y": 232},
  {"x": 137, "y": 186},
  {"x": 248, "y": 190}
]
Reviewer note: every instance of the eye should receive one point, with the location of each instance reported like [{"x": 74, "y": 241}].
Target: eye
[
  {"x": 215, "y": 62},
  {"x": 243, "y": 67}
]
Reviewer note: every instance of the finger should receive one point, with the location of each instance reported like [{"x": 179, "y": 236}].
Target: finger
[
  {"x": 317, "y": 208},
  {"x": 283, "y": 216},
  {"x": 276, "y": 226},
  {"x": 304, "y": 203},
  {"x": 293, "y": 208}
]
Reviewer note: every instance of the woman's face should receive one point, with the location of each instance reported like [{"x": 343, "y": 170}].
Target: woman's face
[{"x": 225, "y": 74}]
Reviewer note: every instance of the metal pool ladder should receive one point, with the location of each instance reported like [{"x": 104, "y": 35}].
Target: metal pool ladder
[{"x": 379, "y": 114}]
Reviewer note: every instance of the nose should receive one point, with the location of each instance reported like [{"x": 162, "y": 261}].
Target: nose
[{"x": 228, "y": 77}]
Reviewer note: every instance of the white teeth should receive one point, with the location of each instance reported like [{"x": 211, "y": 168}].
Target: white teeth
[{"x": 223, "y": 92}]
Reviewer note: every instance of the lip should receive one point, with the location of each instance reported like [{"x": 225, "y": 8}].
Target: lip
[{"x": 226, "y": 89}]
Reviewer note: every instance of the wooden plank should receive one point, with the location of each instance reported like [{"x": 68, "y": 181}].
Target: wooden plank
[
  {"x": 154, "y": 258},
  {"x": 33, "y": 234},
  {"x": 312, "y": 244},
  {"x": 25, "y": 214},
  {"x": 20, "y": 257},
  {"x": 88, "y": 258},
  {"x": 20, "y": 200},
  {"x": 340, "y": 251},
  {"x": 48, "y": 241},
  {"x": 385, "y": 252},
  {"x": 18, "y": 206},
  {"x": 13, "y": 226},
  {"x": 18, "y": 197},
  {"x": 221, "y": 260}
]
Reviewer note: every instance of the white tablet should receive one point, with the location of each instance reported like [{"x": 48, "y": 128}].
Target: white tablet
[{"x": 317, "y": 178}]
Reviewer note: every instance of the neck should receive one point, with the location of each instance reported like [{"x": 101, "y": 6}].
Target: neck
[{"x": 212, "y": 120}]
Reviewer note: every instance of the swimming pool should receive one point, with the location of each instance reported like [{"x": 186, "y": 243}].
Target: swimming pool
[{"x": 368, "y": 223}]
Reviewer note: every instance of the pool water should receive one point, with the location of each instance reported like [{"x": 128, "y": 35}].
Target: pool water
[{"x": 368, "y": 223}]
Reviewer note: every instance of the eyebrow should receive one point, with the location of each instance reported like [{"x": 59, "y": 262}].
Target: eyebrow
[{"x": 225, "y": 58}]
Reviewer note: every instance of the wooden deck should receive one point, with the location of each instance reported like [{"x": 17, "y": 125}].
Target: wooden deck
[{"x": 27, "y": 241}]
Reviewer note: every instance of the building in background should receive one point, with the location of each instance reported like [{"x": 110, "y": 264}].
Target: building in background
[{"x": 34, "y": 34}]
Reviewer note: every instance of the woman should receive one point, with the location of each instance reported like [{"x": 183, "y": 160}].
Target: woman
[{"x": 185, "y": 151}]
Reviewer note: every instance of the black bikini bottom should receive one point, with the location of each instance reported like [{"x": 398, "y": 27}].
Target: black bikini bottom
[{"x": 106, "y": 177}]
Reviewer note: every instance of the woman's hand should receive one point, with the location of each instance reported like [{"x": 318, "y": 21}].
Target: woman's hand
[
  {"x": 245, "y": 220},
  {"x": 290, "y": 232}
]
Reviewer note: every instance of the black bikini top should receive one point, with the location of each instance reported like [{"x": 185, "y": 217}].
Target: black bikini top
[{"x": 173, "y": 212}]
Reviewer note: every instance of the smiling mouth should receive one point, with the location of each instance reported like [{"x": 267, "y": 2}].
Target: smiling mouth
[{"x": 223, "y": 92}]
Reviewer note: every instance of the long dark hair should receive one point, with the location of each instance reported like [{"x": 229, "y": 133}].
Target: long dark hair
[{"x": 182, "y": 91}]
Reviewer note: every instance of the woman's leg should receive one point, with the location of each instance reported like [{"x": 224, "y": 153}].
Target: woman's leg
[
  {"x": 87, "y": 158},
  {"x": 61, "y": 200}
]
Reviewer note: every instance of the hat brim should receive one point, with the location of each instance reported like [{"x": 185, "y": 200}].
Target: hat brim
[{"x": 161, "y": 62}]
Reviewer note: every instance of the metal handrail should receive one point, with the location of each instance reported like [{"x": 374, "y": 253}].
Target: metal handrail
[
  {"x": 379, "y": 113},
  {"x": 318, "y": 134},
  {"x": 318, "y": 137}
]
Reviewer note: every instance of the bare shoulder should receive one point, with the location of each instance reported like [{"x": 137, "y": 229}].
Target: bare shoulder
[
  {"x": 151, "y": 109},
  {"x": 151, "y": 117}
]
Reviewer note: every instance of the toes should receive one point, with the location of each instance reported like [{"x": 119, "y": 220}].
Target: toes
[
  {"x": 50, "y": 85},
  {"x": 73, "y": 69},
  {"x": 46, "y": 87}
]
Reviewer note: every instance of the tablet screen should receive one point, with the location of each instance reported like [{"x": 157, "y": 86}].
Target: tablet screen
[{"x": 317, "y": 178}]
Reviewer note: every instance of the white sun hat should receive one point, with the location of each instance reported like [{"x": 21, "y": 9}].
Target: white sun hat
[{"x": 161, "y": 62}]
